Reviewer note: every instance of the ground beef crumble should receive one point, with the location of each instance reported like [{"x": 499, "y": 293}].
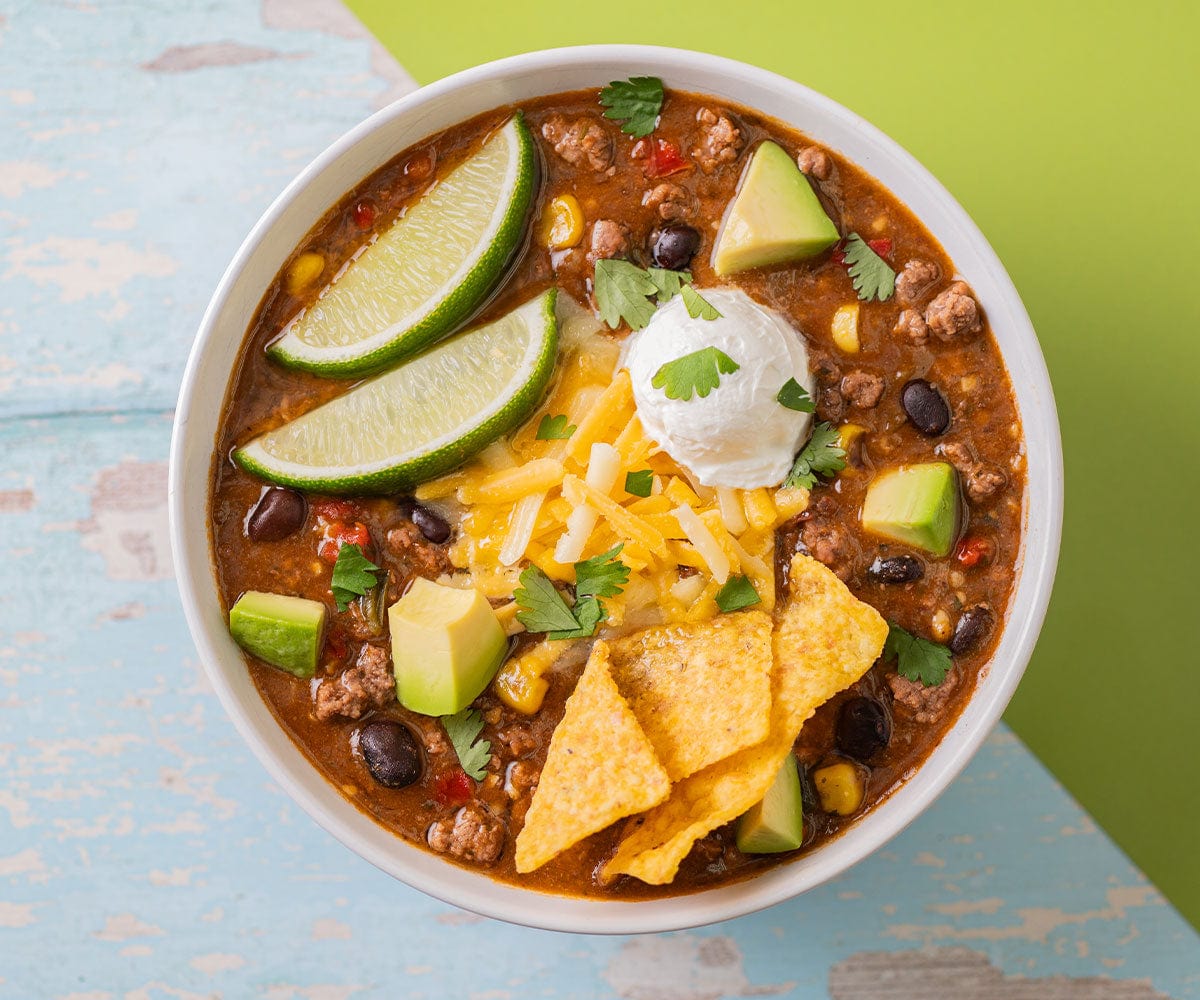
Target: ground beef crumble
[
  {"x": 954, "y": 313},
  {"x": 580, "y": 140},
  {"x": 472, "y": 834},
  {"x": 609, "y": 239},
  {"x": 982, "y": 481},
  {"x": 418, "y": 555},
  {"x": 721, "y": 143},
  {"x": 925, "y": 703},
  {"x": 367, "y": 685}
]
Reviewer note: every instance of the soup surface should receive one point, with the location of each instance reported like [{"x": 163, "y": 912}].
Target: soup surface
[{"x": 903, "y": 376}]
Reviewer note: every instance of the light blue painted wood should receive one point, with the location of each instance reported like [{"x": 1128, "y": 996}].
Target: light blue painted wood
[{"x": 144, "y": 854}]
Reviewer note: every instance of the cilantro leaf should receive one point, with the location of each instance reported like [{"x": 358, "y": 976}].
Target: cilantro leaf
[
  {"x": 696, "y": 373},
  {"x": 542, "y": 606},
  {"x": 795, "y": 397},
  {"x": 589, "y": 613},
  {"x": 822, "y": 456},
  {"x": 872, "y": 277},
  {"x": 621, "y": 293},
  {"x": 737, "y": 593},
  {"x": 554, "y": 428},
  {"x": 601, "y": 576},
  {"x": 635, "y": 103},
  {"x": 916, "y": 658},
  {"x": 353, "y": 575},
  {"x": 698, "y": 307},
  {"x": 461, "y": 730},
  {"x": 667, "y": 282},
  {"x": 640, "y": 483}
]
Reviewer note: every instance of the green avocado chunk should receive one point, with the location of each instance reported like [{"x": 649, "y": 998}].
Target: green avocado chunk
[
  {"x": 447, "y": 645},
  {"x": 916, "y": 505},
  {"x": 775, "y": 216},
  {"x": 777, "y": 823},
  {"x": 286, "y": 632}
]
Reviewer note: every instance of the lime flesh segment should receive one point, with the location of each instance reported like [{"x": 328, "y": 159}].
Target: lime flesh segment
[
  {"x": 421, "y": 419},
  {"x": 428, "y": 273}
]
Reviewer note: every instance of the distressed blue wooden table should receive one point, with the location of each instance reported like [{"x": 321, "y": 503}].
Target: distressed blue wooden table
[{"x": 143, "y": 853}]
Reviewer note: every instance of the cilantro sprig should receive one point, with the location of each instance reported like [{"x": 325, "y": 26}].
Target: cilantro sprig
[
  {"x": 353, "y": 576},
  {"x": 873, "y": 278},
  {"x": 542, "y": 608},
  {"x": 737, "y": 593},
  {"x": 639, "y": 483},
  {"x": 696, "y": 374},
  {"x": 916, "y": 658},
  {"x": 623, "y": 293},
  {"x": 635, "y": 103},
  {"x": 795, "y": 397},
  {"x": 822, "y": 456},
  {"x": 554, "y": 428},
  {"x": 461, "y": 730}
]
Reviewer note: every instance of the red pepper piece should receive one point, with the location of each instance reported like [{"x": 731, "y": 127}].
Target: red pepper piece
[
  {"x": 838, "y": 253},
  {"x": 972, "y": 550},
  {"x": 454, "y": 788},
  {"x": 338, "y": 534},
  {"x": 335, "y": 646},
  {"x": 881, "y": 247},
  {"x": 335, "y": 510},
  {"x": 363, "y": 214},
  {"x": 663, "y": 158}
]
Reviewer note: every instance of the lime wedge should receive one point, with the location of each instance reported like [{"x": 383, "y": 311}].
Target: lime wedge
[
  {"x": 428, "y": 273},
  {"x": 421, "y": 419}
]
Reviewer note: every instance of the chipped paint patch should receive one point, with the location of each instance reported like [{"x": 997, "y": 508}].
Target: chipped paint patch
[
  {"x": 185, "y": 58},
  {"x": 26, "y": 862},
  {"x": 325, "y": 991},
  {"x": 331, "y": 930},
  {"x": 967, "y": 906},
  {"x": 1036, "y": 923},
  {"x": 124, "y": 926},
  {"x": 216, "y": 963},
  {"x": 683, "y": 967},
  {"x": 16, "y": 914},
  {"x": 19, "y": 176},
  {"x": 83, "y": 266},
  {"x": 128, "y": 526},
  {"x": 965, "y": 975},
  {"x": 16, "y": 501}
]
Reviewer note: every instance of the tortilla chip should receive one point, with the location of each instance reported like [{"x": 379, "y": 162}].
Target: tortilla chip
[
  {"x": 700, "y": 692},
  {"x": 825, "y": 639},
  {"x": 600, "y": 767}
]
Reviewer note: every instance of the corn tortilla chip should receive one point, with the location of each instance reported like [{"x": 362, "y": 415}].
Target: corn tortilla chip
[
  {"x": 825, "y": 639},
  {"x": 600, "y": 767},
  {"x": 700, "y": 692}
]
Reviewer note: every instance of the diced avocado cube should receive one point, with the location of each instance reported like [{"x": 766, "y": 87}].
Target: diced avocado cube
[
  {"x": 286, "y": 632},
  {"x": 775, "y": 216},
  {"x": 916, "y": 505},
  {"x": 777, "y": 823},
  {"x": 447, "y": 645}
]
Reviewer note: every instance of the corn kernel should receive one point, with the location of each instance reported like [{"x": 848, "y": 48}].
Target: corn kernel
[
  {"x": 845, "y": 328},
  {"x": 520, "y": 688},
  {"x": 840, "y": 788},
  {"x": 561, "y": 225},
  {"x": 303, "y": 271},
  {"x": 940, "y": 625},
  {"x": 848, "y": 434}
]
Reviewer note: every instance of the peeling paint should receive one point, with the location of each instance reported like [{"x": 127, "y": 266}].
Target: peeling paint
[
  {"x": 965, "y": 975},
  {"x": 185, "y": 58},
  {"x": 19, "y": 176},
  {"x": 81, "y": 267},
  {"x": 683, "y": 967},
  {"x": 124, "y": 926}
]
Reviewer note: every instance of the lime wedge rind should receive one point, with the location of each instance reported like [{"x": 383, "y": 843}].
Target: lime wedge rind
[
  {"x": 444, "y": 309},
  {"x": 420, "y": 419}
]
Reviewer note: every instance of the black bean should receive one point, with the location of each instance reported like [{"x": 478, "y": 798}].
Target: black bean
[
  {"x": 391, "y": 753},
  {"x": 674, "y": 246},
  {"x": 897, "y": 569},
  {"x": 926, "y": 407},
  {"x": 278, "y": 513},
  {"x": 433, "y": 526},
  {"x": 864, "y": 728},
  {"x": 406, "y": 506},
  {"x": 973, "y": 626}
]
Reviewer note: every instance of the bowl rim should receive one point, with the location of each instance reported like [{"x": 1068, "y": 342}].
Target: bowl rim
[{"x": 477, "y": 891}]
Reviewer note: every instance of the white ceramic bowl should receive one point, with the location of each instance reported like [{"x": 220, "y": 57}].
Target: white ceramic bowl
[{"x": 376, "y": 141}]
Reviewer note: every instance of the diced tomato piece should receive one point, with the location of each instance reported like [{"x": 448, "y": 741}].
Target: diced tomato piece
[
  {"x": 838, "y": 253},
  {"x": 337, "y": 534},
  {"x": 663, "y": 158},
  {"x": 881, "y": 247},
  {"x": 364, "y": 215},
  {"x": 974, "y": 549},
  {"x": 454, "y": 788},
  {"x": 335, "y": 645},
  {"x": 335, "y": 510}
]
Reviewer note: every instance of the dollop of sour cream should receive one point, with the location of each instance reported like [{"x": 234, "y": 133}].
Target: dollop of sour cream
[{"x": 739, "y": 435}]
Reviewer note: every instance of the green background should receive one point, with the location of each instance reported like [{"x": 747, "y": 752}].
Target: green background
[{"x": 1070, "y": 133}]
